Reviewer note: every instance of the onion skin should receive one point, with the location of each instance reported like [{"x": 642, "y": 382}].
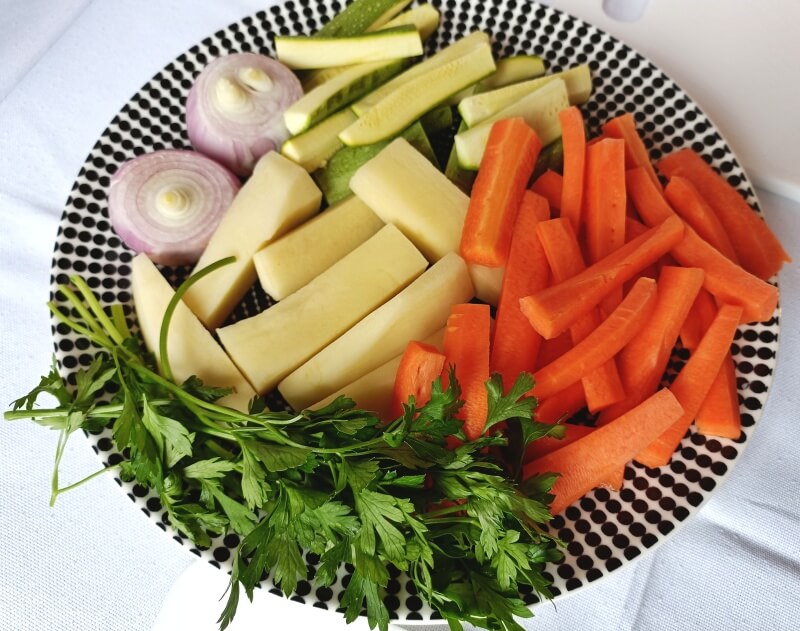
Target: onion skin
[
  {"x": 203, "y": 189},
  {"x": 238, "y": 140}
]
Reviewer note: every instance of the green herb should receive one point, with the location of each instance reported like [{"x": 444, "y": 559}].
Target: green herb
[{"x": 336, "y": 481}]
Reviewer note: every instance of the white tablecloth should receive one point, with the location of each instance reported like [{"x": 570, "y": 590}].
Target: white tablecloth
[{"x": 94, "y": 562}]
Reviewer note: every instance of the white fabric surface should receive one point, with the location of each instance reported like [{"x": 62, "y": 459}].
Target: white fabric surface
[{"x": 94, "y": 562}]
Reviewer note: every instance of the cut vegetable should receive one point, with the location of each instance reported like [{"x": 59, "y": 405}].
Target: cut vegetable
[
  {"x": 561, "y": 405},
  {"x": 515, "y": 344},
  {"x": 719, "y": 413},
  {"x": 553, "y": 310},
  {"x": 693, "y": 383},
  {"x": 480, "y": 107},
  {"x": 644, "y": 359},
  {"x": 234, "y": 111},
  {"x": 466, "y": 347},
  {"x": 573, "y": 137},
  {"x": 168, "y": 203},
  {"x": 510, "y": 155},
  {"x": 624, "y": 127},
  {"x": 420, "y": 365},
  {"x": 362, "y": 15},
  {"x": 602, "y": 386},
  {"x": 601, "y": 344},
  {"x": 759, "y": 250},
  {"x": 687, "y": 202},
  {"x": 455, "y": 51},
  {"x": 334, "y": 178},
  {"x": 539, "y": 109},
  {"x": 700, "y": 316},
  {"x": 549, "y": 185},
  {"x": 416, "y": 312},
  {"x": 405, "y": 189},
  {"x": 312, "y": 149},
  {"x": 587, "y": 462},
  {"x": 300, "y": 51},
  {"x": 513, "y": 70},
  {"x": 277, "y": 197},
  {"x": 293, "y": 330},
  {"x": 410, "y": 100},
  {"x": 191, "y": 348},
  {"x": 295, "y": 259},
  {"x": 727, "y": 281},
  {"x": 339, "y": 91}
]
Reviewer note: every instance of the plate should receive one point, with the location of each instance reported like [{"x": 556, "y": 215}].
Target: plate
[{"x": 604, "y": 530}]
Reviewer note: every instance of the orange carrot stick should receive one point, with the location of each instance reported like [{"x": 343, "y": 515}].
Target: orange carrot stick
[
  {"x": 587, "y": 462},
  {"x": 506, "y": 167},
  {"x": 543, "y": 446},
  {"x": 703, "y": 311},
  {"x": 693, "y": 383},
  {"x": 635, "y": 152},
  {"x": 687, "y": 202},
  {"x": 719, "y": 414},
  {"x": 515, "y": 344},
  {"x": 549, "y": 185},
  {"x": 573, "y": 137},
  {"x": 602, "y": 386},
  {"x": 420, "y": 365},
  {"x": 729, "y": 282},
  {"x": 554, "y": 348},
  {"x": 605, "y": 198},
  {"x": 466, "y": 346},
  {"x": 759, "y": 250},
  {"x": 644, "y": 359},
  {"x": 553, "y": 310},
  {"x": 561, "y": 405},
  {"x": 601, "y": 344}
]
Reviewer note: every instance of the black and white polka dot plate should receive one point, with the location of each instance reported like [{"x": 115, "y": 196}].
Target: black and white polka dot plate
[{"x": 604, "y": 530}]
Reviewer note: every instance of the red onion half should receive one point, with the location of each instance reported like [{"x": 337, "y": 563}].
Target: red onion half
[
  {"x": 234, "y": 112},
  {"x": 168, "y": 203}
]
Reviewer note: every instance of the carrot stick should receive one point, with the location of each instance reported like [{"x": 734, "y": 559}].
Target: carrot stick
[
  {"x": 635, "y": 152},
  {"x": 601, "y": 344},
  {"x": 587, "y": 462},
  {"x": 693, "y": 383},
  {"x": 759, "y": 250},
  {"x": 602, "y": 386},
  {"x": 729, "y": 282},
  {"x": 554, "y": 348},
  {"x": 507, "y": 165},
  {"x": 644, "y": 359},
  {"x": 605, "y": 198},
  {"x": 719, "y": 413},
  {"x": 515, "y": 344},
  {"x": 466, "y": 345},
  {"x": 420, "y": 365},
  {"x": 553, "y": 310},
  {"x": 573, "y": 137},
  {"x": 700, "y": 316},
  {"x": 561, "y": 405},
  {"x": 687, "y": 202},
  {"x": 549, "y": 185}
]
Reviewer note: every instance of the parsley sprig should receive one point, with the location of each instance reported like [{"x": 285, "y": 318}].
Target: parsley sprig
[{"x": 335, "y": 481}]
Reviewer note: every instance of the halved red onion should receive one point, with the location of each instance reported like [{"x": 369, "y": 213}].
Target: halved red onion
[
  {"x": 168, "y": 203},
  {"x": 234, "y": 112}
]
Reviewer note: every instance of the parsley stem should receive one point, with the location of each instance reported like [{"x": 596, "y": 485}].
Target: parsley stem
[
  {"x": 89, "y": 477},
  {"x": 90, "y": 335},
  {"x": 84, "y": 313},
  {"x": 166, "y": 369},
  {"x": 96, "y": 308}
]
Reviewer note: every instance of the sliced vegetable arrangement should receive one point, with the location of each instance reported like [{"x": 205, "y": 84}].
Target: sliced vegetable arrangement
[{"x": 479, "y": 274}]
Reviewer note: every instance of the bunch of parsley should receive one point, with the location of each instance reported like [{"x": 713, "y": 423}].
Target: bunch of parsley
[{"x": 334, "y": 481}]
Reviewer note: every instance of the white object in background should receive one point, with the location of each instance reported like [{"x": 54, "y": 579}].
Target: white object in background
[{"x": 625, "y": 10}]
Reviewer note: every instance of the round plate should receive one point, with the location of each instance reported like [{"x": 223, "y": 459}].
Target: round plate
[{"x": 604, "y": 530}]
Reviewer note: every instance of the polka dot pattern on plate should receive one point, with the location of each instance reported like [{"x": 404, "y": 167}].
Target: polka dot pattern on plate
[{"x": 604, "y": 530}]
